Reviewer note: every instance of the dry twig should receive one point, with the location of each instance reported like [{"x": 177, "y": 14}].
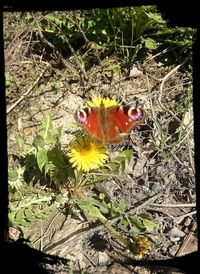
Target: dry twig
[
  {"x": 175, "y": 205},
  {"x": 29, "y": 90},
  {"x": 167, "y": 76}
]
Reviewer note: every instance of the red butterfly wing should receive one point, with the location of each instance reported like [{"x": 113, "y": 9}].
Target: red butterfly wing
[
  {"x": 90, "y": 120},
  {"x": 122, "y": 120},
  {"x": 109, "y": 125}
]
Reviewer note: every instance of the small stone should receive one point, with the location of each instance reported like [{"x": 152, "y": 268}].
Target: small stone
[
  {"x": 141, "y": 270},
  {"x": 176, "y": 232},
  {"x": 103, "y": 258},
  {"x": 173, "y": 249},
  {"x": 187, "y": 221}
]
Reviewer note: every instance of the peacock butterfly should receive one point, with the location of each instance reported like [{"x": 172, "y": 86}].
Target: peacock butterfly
[{"x": 109, "y": 124}]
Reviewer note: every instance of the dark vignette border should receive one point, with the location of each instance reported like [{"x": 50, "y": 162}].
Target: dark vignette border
[{"x": 18, "y": 255}]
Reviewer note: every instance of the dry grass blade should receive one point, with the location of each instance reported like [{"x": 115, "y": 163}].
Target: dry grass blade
[
  {"x": 29, "y": 90},
  {"x": 167, "y": 76}
]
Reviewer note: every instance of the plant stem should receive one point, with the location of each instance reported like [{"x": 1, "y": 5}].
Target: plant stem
[
  {"x": 78, "y": 181},
  {"x": 114, "y": 232}
]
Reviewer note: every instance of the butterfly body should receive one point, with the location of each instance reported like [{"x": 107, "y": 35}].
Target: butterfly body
[{"x": 111, "y": 124}]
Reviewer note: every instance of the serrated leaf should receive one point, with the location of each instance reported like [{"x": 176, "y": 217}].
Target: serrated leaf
[
  {"x": 115, "y": 211},
  {"x": 46, "y": 125},
  {"x": 120, "y": 161},
  {"x": 101, "y": 178},
  {"x": 122, "y": 205},
  {"x": 61, "y": 199},
  {"x": 137, "y": 225},
  {"x": 39, "y": 215},
  {"x": 119, "y": 209},
  {"x": 112, "y": 166},
  {"x": 21, "y": 203},
  {"x": 21, "y": 222},
  {"x": 128, "y": 154},
  {"x": 42, "y": 158},
  {"x": 28, "y": 210},
  {"x": 51, "y": 138},
  {"x": 53, "y": 17},
  {"x": 50, "y": 168},
  {"x": 94, "y": 212},
  {"x": 20, "y": 218},
  {"x": 123, "y": 222},
  {"x": 149, "y": 225},
  {"x": 90, "y": 209},
  {"x": 29, "y": 213},
  {"x": 11, "y": 217},
  {"x": 104, "y": 208},
  {"x": 58, "y": 133},
  {"x": 150, "y": 43},
  {"x": 156, "y": 17},
  {"x": 38, "y": 141},
  {"x": 21, "y": 141},
  {"x": 50, "y": 16}
]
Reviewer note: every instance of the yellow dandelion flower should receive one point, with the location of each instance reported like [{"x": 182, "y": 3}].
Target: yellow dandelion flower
[
  {"x": 96, "y": 102},
  {"x": 85, "y": 154},
  {"x": 142, "y": 246}
]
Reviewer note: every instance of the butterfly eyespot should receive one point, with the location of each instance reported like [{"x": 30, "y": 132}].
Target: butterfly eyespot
[
  {"x": 109, "y": 125},
  {"x": 81, "y": 116},
  {"x": 135, "y": 114}
]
